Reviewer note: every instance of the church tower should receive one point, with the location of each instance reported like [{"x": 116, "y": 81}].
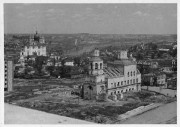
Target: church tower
[
  {"x": 96, "y": 64},
  {"x": 96, "y": 77}
]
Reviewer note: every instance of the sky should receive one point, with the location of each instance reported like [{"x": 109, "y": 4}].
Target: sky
[{"x": 91, "y": 18}]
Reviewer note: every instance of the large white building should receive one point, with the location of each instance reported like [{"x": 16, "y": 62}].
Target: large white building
[
  {"x": 120, "y": 76},
  {"x": 36, "y": 46}
]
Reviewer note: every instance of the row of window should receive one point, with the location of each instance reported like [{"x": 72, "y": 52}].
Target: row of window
[
  {"x": 96, "y": 66},
  {"x": 128, "y": 82},
  {"x": 131, "y": 73},
  {"x": 121, "y": 91}
]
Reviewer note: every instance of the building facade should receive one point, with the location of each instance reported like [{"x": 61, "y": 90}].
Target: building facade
[
  {"x": 8, "y": 75},
  {"x": 122, "y": 75}
]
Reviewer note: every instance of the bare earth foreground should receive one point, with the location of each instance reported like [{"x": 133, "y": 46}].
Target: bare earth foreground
[
  {"x": 19, "y": 115},
  {"x": 166, "y": 114}
]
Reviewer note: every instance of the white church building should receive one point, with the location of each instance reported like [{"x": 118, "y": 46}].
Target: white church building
[
  {"x": 120, "y": 76},
  {"x": 36, "y": 46}
]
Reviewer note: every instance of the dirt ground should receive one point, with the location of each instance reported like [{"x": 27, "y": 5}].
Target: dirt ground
[{"x": 46, "y": 95}]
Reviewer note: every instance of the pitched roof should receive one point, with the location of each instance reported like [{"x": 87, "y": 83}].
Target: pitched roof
[{"x": 113, "y": 72}]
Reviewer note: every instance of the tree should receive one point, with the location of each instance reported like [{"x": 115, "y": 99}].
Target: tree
[
  {"x": 77, "y": 61},
  {"x": 91, "y": 89},
  {"x": 50, "y": 69},
  {"x": 39, "y": 61}
]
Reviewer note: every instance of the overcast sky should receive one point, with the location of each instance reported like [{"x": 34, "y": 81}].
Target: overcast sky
[{"x": 91, "y": 18}]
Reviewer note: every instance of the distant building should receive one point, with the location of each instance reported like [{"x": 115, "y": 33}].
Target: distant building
[
  {"x": 8, "y": 75},
  {"x": 161, "y": 79},
  {"x": 36, "y": 47},
  {"x": 69, "y": 62},
  {"x": 172, "y": 83}
]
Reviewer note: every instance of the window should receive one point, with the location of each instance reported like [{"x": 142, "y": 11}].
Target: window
[
  {"x": 132, "y": 88},
  {"x": 121, "y": 91},
  {"x": 134, "y": 73},
  {"x": 111, "y": 93},
  {"x": 124, "y": 82},
  {"x": 131, "y": 81},
  {"x": 128, "y": 82},
  {"x": 102, "y": 88},
  {"x": 137, "y": 80},
  {"x": 128, "y": 74},
  {"x": 118, "y": 91},
  {"x": 114, "y": 84},
  {"x": 126, "y": 90},
  {"x": 131, "y": 73},
  {"x": 114, "y": 92},
  {"x": 91, "y": 65},
  {"x": 121, "y": 82},
  {"x": 118, "y": 83},
  {"x": 96, "y": 65},
  {"x": 100, "y": 65}
]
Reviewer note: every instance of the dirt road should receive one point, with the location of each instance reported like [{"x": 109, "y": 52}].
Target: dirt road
[{"x": 161, "y": 115}]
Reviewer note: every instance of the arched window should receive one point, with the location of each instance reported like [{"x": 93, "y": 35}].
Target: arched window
[
  {"x": 100, "y": 65},
  {"x": 96, "y": 65},
  {"x": 91, "y": 65}
]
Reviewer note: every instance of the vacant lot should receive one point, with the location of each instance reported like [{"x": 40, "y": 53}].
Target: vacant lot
[{"x": 46, "y": 95}]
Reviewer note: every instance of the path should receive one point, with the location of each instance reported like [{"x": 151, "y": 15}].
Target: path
[{"x": 163, "y": 114}]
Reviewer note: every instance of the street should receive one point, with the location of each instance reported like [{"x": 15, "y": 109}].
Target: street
[{"x": 161, "y": 115}]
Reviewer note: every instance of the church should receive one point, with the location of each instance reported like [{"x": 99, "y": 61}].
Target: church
[
  {"x": 120, "y": 76},
  {"x": 35, "y": 47}
]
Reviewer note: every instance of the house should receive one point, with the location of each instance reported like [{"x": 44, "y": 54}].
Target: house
[
  {"x": 69, "y": 62},
  {"x": 154, "y": 65},
  {"x": 167, "y": 69},
  {"x": 172, "y": 83},
  {"x": 160, "y": 79}
]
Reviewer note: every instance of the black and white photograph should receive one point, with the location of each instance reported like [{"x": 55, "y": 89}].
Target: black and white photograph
[{"x": 89, "y": 63}]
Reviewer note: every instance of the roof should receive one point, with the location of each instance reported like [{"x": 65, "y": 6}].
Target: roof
[
  {"x": 124, "y": 62},
  {"x": 95, "y": 58},
  {"x": 113, "y": 72}
]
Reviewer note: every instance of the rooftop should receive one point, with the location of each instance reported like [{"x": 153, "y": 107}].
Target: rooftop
[{"x": 113, "y": 72}]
